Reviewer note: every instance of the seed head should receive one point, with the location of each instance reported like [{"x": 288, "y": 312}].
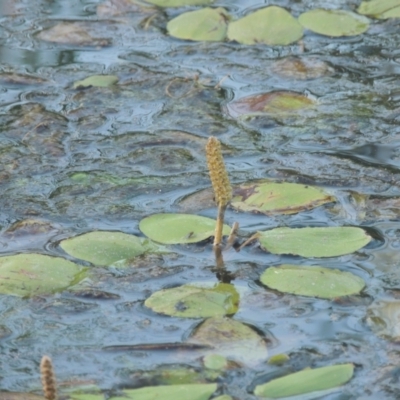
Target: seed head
[
  {"x": 218, "y": 174},
  {"x": 48, "y": 378}
]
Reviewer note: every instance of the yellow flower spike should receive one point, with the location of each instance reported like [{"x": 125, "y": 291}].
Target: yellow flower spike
[
  {"x": 220, "y": 183},
  {"x": 48, "y": 378},
  {"x": 218, "y": 174}
]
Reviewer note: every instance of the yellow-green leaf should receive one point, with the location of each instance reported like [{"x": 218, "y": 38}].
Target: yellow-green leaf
[
  {"x": 278, "y": 198},
  {"x": 334, "y": 22},
  {"x": 376, "y": 7},
  {"x": 314, "y": 242},
  {"x": 206, "y": 24},
  {"x": 190, "y": 301},
  {"x": 179, "y": 228},
  {"x": 312, "y": 281},
  {"x": 271, "y": 25},
  {"x": 105, "y": 248},
  {"x": 36, "y": 274},
  {"x": 306, "y": 381}
]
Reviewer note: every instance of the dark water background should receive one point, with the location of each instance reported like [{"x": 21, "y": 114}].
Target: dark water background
[{"x": 102, "y": 159}]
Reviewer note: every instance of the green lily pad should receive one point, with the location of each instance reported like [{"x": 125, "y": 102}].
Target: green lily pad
[
  {"x": 106, "y": 248},
  {"x": 215, "y": 361},
  {"x": 191, "y": 301},
  {"x": 376, "y": 8},
  {"x": 314, "y": 242},
  {"x": 179, "y": 3},
  {"x": 309, "y": 380},
  {"x": 275, "y": 103},
  {"x": 36, "y": 274},
  {"x": 392, "y": 13},
  {"x": 280, "y": 198},
  {"x": 194, "y": 391},
  {"x": 232, "y": 339},
  {"x": 96, "y": 81},
  {"x": 334, "y": 22},
  {"x": 314, "y": 281},
  {"x": 207, "y": 24},
  {"x": 271, "y": 25},
  {"x": 179, "y": 228}
]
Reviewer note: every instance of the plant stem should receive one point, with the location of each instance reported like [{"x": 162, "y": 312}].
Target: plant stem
[{"x": 219, "y": 226}]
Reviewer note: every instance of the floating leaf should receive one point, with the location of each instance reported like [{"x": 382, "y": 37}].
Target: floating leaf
[
  {"x": 179, "y": 3},
  {"x": 112, "y": 8},
  {"x": 376, "y": 8},
  {"x": 179, "y": 228},
  {"x": 314, "y": 242},
  {"x": 271, "y": 25},
  {"x": 312, "y": 281},
  {"x": 306, "y": 381},
  {"x": 36, "y": 274},
  {"x": 194, "y": 391},
  {"x": 280, "y": 102},
  {"x": 301, "y": 68},
  {"x": 97, "y": 81},
  {"x": 282, "y": 198},
  {"x": 215, "y": 361},
  {"x": 392, "y": 13},
  {"x": 384, "y": 319},
  {"x": 73, "y": 34},
  {"x": 207, "y": 24},
  {"x": 334, "y": 22},
  {"x": 232, "y": 339},
  {"x": 191, "y": 301},
  {"x": 105, "y": 248}
]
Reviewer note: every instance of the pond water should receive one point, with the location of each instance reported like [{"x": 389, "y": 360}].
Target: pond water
[{"x": 81, "y": 160}]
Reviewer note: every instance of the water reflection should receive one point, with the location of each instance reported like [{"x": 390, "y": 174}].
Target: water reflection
[{"x": 36, "y": 58}]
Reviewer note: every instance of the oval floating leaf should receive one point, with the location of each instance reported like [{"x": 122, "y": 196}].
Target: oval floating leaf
[
  {"x": 314, "y": 281},
  {"x": 179, "y": 228},
  {"x": 301, "y": 68},
  {"x": 314, "y": 242},
  {"x": 36, "y": 274},
  {"x": 192, "y": 391},
  {"x": 280, "y": 102},
  {"x": 195, "y": 302},
  {"x": 377, "y": 7},
  {"x": 334, "y": 22},
  {"x": 281, "y": 198},
  {"x": 232, "y": 339},
  {"x": 392, "y": 13},
  {"x": 206, "y": 24},
  {"x": 96, "y": 81},
  {"x": 309, "y": 380},
  {"x": 271, "y": 25},
  {"x": 105, "y": 248},
  {"x": 179, "y": 3}
]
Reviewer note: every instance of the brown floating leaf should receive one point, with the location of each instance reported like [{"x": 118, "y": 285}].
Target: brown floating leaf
[
  {"x": 301, "y": 68},
  {"x": 20, "y": 79},
  {"x": 270, "y": 197},
  {"x": 275, "y": 103},
  {"x": 112, "y": 8},
  {"x": 71, "y": 33},
  {"x": 232, "y": 339}
]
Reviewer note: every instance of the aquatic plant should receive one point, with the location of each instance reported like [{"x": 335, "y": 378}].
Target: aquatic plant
[
  {"x": 48, "y": 378},
  {"x": 220, "y": 183}
]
